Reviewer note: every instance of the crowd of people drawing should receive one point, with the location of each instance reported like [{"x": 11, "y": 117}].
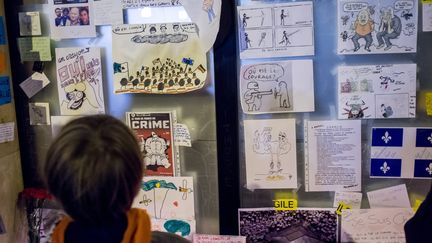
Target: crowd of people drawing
[{"x": 73, "y": 16}]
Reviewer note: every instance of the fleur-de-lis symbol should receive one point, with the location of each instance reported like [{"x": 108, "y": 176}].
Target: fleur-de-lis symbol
[
  {"x": 429, "y": 169},
  {"x": 386, "y": 138},
  {"x": 385, "y": 167},
  {"x": 430, "y": 138}
]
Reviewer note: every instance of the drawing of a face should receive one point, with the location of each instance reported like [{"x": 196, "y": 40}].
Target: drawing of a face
[
  {"x": 176, "y": 27},
  {"x": 387, "y": 15},
  {"x": 363, "y": 17},
  {"x": 75, "y": 95},
  {"x": 252, "y": 85},
  {"x": 152, "y": 30},
  {"x": 73, "y": 15}
]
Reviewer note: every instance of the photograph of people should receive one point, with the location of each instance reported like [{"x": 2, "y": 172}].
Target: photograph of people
[
  {"x": 84, "y": 16},
  {"x": 73, "y": 17}
]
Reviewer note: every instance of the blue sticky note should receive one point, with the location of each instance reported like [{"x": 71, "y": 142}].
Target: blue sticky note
[
  {"x": 387, "y": 137},
  {"x": 2, "y": 32},
  {"x": 423, "y": 168},
  {"x": 386, "y": 167},
  {"x": 424, "y": 137},
  {"x": 5, "y": 91}
]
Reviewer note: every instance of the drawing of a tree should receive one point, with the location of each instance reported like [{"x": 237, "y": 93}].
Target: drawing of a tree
[{"x": 158, "y": 185}]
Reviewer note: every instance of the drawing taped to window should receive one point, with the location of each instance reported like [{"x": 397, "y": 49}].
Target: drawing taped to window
[
  {"x": 159, "y": 59},
  {"x": 275, "y": 87},
  {"x": 382, "y": 91},
  {"x": 167, "y": 197},
  {"x": 79, "y": 77},
  {"x": 182, "y": 227},
  {"x": 276, "y": 30},
  {"x": 377, "y": 26},
  {"x": 270, "y": 153}
]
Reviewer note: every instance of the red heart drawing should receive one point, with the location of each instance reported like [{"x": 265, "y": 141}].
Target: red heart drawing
[{"x": 175, "y": 203}]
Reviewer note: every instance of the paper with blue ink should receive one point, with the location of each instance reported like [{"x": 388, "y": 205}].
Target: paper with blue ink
[
  {"x": 401, "y": 152},
  {"x": 5, "y": 91},
  {"x": 182, "y": 227}
]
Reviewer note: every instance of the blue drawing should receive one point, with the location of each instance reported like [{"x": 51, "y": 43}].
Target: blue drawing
[
  {"x": 174, "y": 226},
  {"x": 158, "y": 184}
]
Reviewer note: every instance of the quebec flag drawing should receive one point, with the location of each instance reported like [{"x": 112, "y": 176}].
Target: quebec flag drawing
[
  {"x": 387, "y": 137},
  {"x": 423, "y": 168},
  {"x": 386, "y": 167},
  {"x": 424, "y": 137}
]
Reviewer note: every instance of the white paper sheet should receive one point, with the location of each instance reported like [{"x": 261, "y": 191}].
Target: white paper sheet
[
  {"x": 389, "y": 197},
  {"x": 108, "y": 12},
  {"x": 39, "y": 113},
  {"x": 182, "y": 135},
  {"x": 200, "y": 238},
  {"x": 333, "y": 155},
  {"x": 79, "y": 80},
  {"x": 7, "y": 132},
  {"x": 276, "y": 87},
  {"x": 401, "y": 152},
  {"x": 158, "y": 59},
  {"x": 34, "y": 84},
  {"x": 276, "y": 30},
  {"x": 352, "y": 199},
  {"x": 167, "y": 197},
  {"x": 384, "y": 225},
  {"x": 72, "y": 19},
  {"x": 206, "y": 15},
  {"x": 427, "y": 16},
  {"x": 270, "y": 147},
  {"x": 148, "y": 3},
  {"x": 381, "y": 91},
  {"x": 377, "y": 26},
  {"x": 29, "y": 23},
  {"x": 182, "y": 227}
]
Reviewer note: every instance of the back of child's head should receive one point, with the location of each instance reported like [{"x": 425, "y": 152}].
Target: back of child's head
[{"x": 94, "y": 168}]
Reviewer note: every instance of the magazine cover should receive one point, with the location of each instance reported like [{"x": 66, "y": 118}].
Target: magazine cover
[{"x": 154, "y": 131}]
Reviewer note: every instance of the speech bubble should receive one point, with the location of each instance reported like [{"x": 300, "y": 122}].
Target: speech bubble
[
  {"x": 129, "y": 29},
  {"x": 353, "y": 7},
  {"x": 263, "y": 72},
  {"x": 189, "y": 28},
  {"x": 404, "y": 5}
]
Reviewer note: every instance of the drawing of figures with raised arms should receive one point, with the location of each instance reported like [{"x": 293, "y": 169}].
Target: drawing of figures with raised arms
[
  {"x": 155, "y": 149},
  {"x": 390, "y": 28},
  {"x": 363, "y": 28}
]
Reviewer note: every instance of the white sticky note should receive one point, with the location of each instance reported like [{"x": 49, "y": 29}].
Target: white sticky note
[
  {"x": 34, "y": 84},
  {"x": 352, "y": 199},
  {"x": 390, "y": 197},
  {"x": 39, "y": 114},
  {"x": 108, "y": 12},
  {"x": 427, "y": 17},
  {"x": 7, "y": 132},
  {"x": 182, "y": 136},
  {"x": 29, "y": 23}
]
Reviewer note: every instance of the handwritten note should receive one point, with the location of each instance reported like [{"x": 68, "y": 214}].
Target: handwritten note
[
  {"x": 108, "y": 12},
  {"x": 375, "y": 225},
  {"x": 198, "y": 238},
  {"x": 390, "y": 197},
  {"x": 39, "y": 113},
  {"x": 7, "y": 132},
  {"x": 351, "y": 198},
  {"x": 427, "y": 16},
  {"x": 34, "y": 49},
  {"x": 34, "y": 84},
  {"x": 5, "y": 91},
  {"x": 182, "y": 136},
  {"x": 29, "y": 23}
]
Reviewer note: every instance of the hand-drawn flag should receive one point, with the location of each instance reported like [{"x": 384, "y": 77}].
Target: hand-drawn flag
[
  {"x": 423, "y": 168},
  {"x": 188, "y": 61},
  {"x": 120, "y": 67},
  {"x": 386, "y": 167},
  {"x": 201, "y": 68},
  {"x": 423, "y": 137},
  {"x": 387, "y": 137},
  {"x": 156, "y": 61}
]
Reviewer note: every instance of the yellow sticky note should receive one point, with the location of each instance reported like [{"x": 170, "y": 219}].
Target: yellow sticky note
[
  {"x": 342, "y": 206},
  {"x": 429, "y": 103},
  {"x": 282, "y": 195},
  {"x": 285, "y": 204},
  {"x": 417, "y": 205},
  {"x": 426, "y": 1}
]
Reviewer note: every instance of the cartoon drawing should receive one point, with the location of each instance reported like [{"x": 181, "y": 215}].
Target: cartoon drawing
[
  {"x": 363, "y": 28},
  {"x": 406, "y": 15},
  {"x": 345, "y": 19},
  {"x": 253, "y": 96},
  {"x": 180, "y": 226},
  {"x": 185, "y": 189},
  {"x": 409, "y": 29},
  {"x": 263, "y": 35},
  {"x": 265, "y": 144},
  {"x": 344, "y": 35},
  {"x": 283, "y": 16},
  {"x": 285, "y": 37},
  {"x": 386, "y": 111},
  {"x": 282, "y": 93},
  {"x": 355, "y": 110},
  {"x": 152, "y": 185},
  {"x": 244, "y": 20},
  {"x": 208, "y": 7},
  {"x": 385, "y": 81},
  {"x": 390, "y": 28},
  {"x": 155, "y": 151},
  {"x": 247, "y": 41}
]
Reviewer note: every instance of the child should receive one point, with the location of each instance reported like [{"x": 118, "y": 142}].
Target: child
[{"x": 94, "y": 168}]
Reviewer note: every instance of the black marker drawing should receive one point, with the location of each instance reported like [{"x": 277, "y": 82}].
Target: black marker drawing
[
  {"x": 283, "y": 16},
  {"x": 355, "y": 110},
  {"x": 390, "y": 28},
  {"x": 285, "y": 37}
]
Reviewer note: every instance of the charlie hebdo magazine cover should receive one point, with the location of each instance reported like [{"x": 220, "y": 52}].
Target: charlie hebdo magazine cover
[{"x": 154, "y": 131}]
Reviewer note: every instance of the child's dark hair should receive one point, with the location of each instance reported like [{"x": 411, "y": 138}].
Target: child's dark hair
[{"x": 94, "y": 168}]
